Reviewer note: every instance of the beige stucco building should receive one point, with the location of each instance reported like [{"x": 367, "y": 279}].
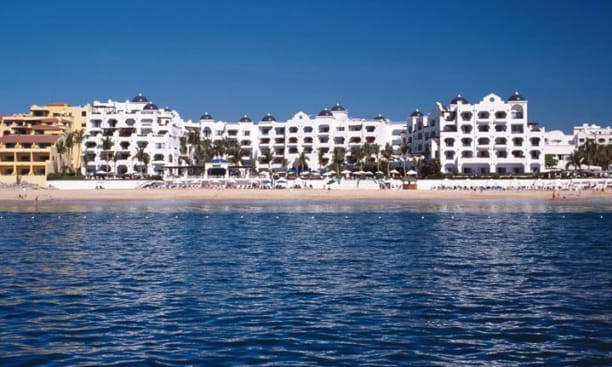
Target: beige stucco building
[{"x": 28, "y": 142}]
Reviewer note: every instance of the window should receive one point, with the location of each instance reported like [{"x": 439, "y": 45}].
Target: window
[{"x": 483, "y": 115}]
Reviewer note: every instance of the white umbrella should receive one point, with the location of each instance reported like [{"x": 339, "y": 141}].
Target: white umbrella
[
  {"x": 411, "y": 172},
  {"x": 394, "y": 172},
  {"x": 346, "y": 172},
  {"x": 331, "y": 172}
]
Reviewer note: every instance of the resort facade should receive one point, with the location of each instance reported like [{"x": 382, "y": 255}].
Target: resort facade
[
  {"x": 137, "y": 138},
  {"x": 29, "y": 142},
  {"x": 490, "y": 136},
  {"x": 271, "y": 144},
  {"x": 134, "y": 137}
]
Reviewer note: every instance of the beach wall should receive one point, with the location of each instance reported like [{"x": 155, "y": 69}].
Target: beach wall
[
  {"x": 515, "y": 184},
  {"x": 95, "y": 184}
]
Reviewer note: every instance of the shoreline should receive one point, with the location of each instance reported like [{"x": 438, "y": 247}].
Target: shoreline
[{"x": 15, "y": 195}]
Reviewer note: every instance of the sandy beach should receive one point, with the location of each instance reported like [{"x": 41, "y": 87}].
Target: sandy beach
[{"x": 16, "y": 195}]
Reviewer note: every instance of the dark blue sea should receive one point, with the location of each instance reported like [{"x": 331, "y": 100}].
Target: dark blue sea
[{"x": 179, "y": 283}]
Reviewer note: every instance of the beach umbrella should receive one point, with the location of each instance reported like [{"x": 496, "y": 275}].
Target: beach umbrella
[
  {"x": 346, "y": 172},
  {"x": 394, "y": 172},
  {"x": 411, "y": 172}
]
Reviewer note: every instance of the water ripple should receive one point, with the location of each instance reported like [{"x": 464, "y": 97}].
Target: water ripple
[{"x": 314, "y": 284}]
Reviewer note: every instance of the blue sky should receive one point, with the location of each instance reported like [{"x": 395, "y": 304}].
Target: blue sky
[{"x": 235, "y": 57}]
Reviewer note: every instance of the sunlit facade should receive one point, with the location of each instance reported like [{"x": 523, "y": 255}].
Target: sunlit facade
[
  {"x": 491, "y": 136},
  {"x": 27, "y": 142},
  {"x": 316, "y": 136},
  {"x": 131, "y": 125}
]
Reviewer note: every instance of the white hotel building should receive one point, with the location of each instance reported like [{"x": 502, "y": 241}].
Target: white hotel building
[
  {"x": 491, "y": 136},
  {"x": 330, "y": 129},
  {"x": 131, "y": 125},
  {"x": 597, "y": 134}
]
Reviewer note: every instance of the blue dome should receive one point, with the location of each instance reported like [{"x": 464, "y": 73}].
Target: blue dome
[
  {"x": 516, "y": 97},
  {"x": 459, "y": 98},
  {"x": 338, "y": 108},
  {"x": 168, "y": 109},
  {"x": 150, "y": 107},
  {"x": 268, "y": 117},
  {"x": 380, "y": 117},
  {"x": 140, "y": 98},
  {"x": 245, "y": 118},
  {"x": 325, "y": 112},
  {"x": 416, "y": 113},
  {"x": 206, "y": 116}
]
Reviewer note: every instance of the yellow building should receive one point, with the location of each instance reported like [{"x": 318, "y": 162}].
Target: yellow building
[{"x": 28, "y": 143}]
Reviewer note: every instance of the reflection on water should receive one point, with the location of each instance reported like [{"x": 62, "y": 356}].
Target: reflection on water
[
  {"x": 297, "y": 206},
  {"x": 306, "y": 283}
]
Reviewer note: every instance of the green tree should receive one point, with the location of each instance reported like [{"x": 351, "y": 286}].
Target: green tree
[
  {"x": 60, "y": 148},
  {"x": 219, "y": 147},
  {"x": 321, "y": 157},
  {"x": 266, "y": 158},
  {"x": 77, "y": 138},
  {"x": 431, "y": 168},
  {"x": 107, "y": 144},
  {"x": 387, "y": 153},
  {"x": 235, "y": 154},
  {"x": 356, "y": 155},
  {"x": 302, "y": 161},
  {"x": 603, "y": 156},
  {"x": 404, "y": 150},
  {"x": 375, "y": 151},
  {"x": 588, "y": 151},
  {"x": 550, "y": 161},
  {"x": 338, "y": 157},
  {"x": 575, "y": 160},
  {"x": 84, "y": 161},
  {"x": 142, "y": 157}
]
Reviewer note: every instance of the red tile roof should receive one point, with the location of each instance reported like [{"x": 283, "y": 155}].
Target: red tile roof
[{"x": 21, "y": 139}]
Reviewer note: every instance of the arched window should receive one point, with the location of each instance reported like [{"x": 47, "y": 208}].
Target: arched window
[{"x": 516, "y": 112}]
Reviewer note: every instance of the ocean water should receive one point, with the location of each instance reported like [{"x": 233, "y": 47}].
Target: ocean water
[{"x": 440, "y": 283}]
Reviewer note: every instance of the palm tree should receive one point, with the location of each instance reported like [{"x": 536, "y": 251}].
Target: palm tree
[
  {"x": 387, "y": 153},
  {"x": 588, "y": 151},
  {"x": 84, "y": 161},
  {"x": 574, "y": 159},
  {"x": 375, "y": 149},
  {"x": 356, "y": 156},
  {"x": 404, "y": 149},
  {"x": 338, "y": 157},
  {"x": 142, "y": 156},
  {"x": 235, "y": 154},
  {"x": 60, "y": 147},
  {"x": 321, "y": 158},
  {"x": 302, "y": 161},
  {"x": 202, "y": 152},
  {"x": 266, "y": 157},
  {"x": 219, "y": 147},
  {"x": 107, "y": 144},
  {"x": 69, "y": 142},
  {"x": 603, "y": 156},
  {"x": 77, "y": 138}
]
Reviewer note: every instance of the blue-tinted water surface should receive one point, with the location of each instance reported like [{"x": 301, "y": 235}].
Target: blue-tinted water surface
[{"x": 303, "y": 283}]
